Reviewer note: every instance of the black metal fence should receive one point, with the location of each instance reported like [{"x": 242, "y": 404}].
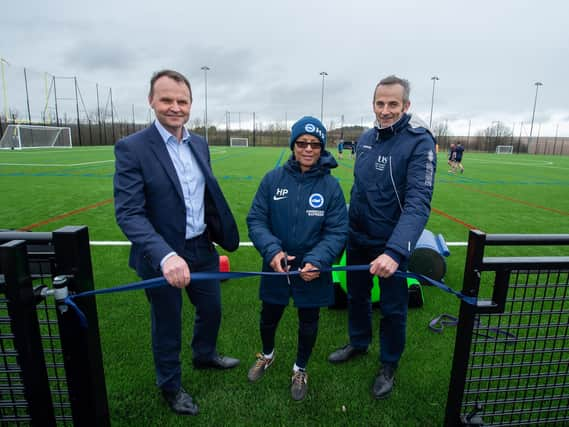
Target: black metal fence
[
  {"x": 51, "y": 370},
  {"x": 551, "y": 146},
  {"x": 511, "y": 357}
]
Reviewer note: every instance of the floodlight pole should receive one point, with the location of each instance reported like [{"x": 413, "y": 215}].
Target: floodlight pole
[
  {"x": 323, "y": 74},
  {"x": 55, "y": 98},
  {"x": 537, "y": 85},
  {"x": 434, "y": 79},
  {"x": 205, "y": 69},
  {"x": 77, "y": 109},
  {"x": 4, "y": 93},
  {"x": 27, "y": 96}
]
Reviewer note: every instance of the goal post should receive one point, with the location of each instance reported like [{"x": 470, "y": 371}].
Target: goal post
[
  {"x": 238, "y": 142},
  {"x": 504, "y": 149},
  {"x": 18, "y": 137}
]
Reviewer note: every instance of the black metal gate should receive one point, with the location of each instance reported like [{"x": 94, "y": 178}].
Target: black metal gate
[
  {"x": 51, "y": 370},
  {"x": 511, "y": 357}
]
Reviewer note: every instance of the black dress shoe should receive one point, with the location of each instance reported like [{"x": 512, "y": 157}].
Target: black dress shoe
[
  {"x": 345, "y": 353},
  {"x": 384, "y": 382},
  {"x": 218, "y": 362},
  {"x": 180, "y": 402}
]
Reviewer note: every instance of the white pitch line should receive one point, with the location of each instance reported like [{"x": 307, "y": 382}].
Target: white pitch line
[
  {"x": 539, "y": 163},
  {"x": 245, "y": 244},
  {"x": 56, "y": 165},
  {"x": 457, "y": 243},
  {"x": 59, "y": 150}
]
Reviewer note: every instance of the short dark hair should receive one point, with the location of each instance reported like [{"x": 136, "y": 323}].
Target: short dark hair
[
  {"x": 394, "y": 80},
  {"x": 174, "y": 75}
]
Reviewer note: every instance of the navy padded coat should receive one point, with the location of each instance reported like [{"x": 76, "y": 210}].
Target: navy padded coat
[{"x": 302, "y": 214}]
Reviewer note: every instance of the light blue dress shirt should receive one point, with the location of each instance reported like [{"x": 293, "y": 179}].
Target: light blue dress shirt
[{"x": 191, "y": 180}]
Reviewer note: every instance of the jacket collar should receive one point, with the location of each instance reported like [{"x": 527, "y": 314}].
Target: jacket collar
[
  {"x": 322, "y": 167},
  {"x": 166, "y": 135},
  {"x": 388, "y": 132},
  {"x": 161, "y": 152}
]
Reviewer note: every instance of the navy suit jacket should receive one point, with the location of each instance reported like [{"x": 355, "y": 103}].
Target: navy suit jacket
[{"x": 149, "y": 204}]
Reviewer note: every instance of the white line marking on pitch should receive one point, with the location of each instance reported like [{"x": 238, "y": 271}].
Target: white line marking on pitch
[
  {"x": 536, "y": 163},
  {"x": 56, "y": 165},
  {"x": 58, "y": 150},
  {"x": 246, "y": 244}
]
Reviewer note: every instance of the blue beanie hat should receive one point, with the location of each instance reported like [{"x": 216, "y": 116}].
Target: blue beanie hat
[{"x": 308, "y": 125}]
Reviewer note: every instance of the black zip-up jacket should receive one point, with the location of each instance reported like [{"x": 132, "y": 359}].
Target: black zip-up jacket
[{"x": 393, "y": 187}]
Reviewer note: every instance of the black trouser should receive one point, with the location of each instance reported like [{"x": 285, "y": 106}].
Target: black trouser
[
  {"x": 166, "y": 315},
  {"x": 307, "y": 330},
  {"x": 394, "y": 300}
]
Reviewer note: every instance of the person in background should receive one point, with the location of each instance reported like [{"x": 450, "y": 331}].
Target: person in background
[
  {"x": 340, "y": 148},
  {"x": 389, "y": 206},
  {"x": 354, "y": 148},
  {"x": 451, "y": 157},
  {"x": 170, "y": 206},
  {"x": 298, "y": 221},
  {"x": 459, "y": 150}
]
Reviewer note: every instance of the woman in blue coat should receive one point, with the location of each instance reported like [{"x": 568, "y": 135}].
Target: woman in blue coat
[{"x": 298, "y": 221}]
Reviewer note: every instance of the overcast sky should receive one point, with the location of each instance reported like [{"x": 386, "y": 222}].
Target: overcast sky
[{"x": 267, "y": 56}]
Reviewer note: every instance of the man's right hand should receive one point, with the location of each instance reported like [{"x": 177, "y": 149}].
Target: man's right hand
[
  {"x": 279, "y": 261},
  {"x": 176, "y": 271}
]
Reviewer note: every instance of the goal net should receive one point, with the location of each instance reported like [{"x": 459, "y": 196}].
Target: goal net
[
  {"x": 504, "y": 149},
  {"x": 17, "y": 137},
  {"x": 239, "y": 142}
]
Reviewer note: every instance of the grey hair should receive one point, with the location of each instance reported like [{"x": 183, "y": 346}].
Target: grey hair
[{"x": 394, "y": 80}]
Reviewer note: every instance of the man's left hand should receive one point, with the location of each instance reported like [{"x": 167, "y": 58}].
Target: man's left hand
[
  {"x": 383, "y": 266},
  {"x": 308, "y": 275}
]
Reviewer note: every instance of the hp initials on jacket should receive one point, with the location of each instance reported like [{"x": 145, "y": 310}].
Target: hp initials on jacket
[{"x": 281, "y": 193}]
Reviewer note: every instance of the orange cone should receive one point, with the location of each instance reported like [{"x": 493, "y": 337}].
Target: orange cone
[{"x": 224, "y": 264}]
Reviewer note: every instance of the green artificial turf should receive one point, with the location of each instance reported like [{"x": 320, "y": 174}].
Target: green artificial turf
[{"x": 43, "y": 190}]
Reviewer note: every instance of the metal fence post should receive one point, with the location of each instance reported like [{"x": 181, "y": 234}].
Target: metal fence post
[
  {"x": 28, "y": 355},
  {"x": 466, "y": 320},
  {"x": 81, "y": 346}
]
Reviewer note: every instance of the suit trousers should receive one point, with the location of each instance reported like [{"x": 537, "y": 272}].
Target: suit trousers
[
  {"x": 166, "y": 315},
  {"x": 393, "y": 304}
]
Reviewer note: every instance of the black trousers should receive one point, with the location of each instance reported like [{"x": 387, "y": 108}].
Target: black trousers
[
  {"x": 166, "y": 315},
  {"x": 307, "y": 330}
]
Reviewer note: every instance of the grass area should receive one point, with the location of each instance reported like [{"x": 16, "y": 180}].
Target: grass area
[{"x": 47, "y": 189}]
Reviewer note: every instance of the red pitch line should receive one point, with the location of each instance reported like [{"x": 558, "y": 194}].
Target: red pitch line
[
  {"x": 65, "y": 215},
  {"x": 511, "y": 199},
  {"x": 452, "y": 218}
]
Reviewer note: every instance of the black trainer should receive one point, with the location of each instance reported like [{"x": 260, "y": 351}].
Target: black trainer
[
  {"x": 218, "y": 362},
  {"x": 345, "y": 353},
  {"x": 180, "y": 402},
  {"x": 384, "y": 382}
]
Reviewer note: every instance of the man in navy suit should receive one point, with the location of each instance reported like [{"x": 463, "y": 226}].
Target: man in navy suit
[{"x": 170, "y": 206}]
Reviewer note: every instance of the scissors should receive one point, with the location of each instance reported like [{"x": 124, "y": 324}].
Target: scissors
[{"x": 284, "y": 266}]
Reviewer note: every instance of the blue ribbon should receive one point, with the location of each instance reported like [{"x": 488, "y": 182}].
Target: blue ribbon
[{"x": 220, "y": 275}]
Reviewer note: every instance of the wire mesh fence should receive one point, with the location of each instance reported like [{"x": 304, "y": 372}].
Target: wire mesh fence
[
  {"x": 50, "y": 367},
  {"x": 511, "y": 361}
]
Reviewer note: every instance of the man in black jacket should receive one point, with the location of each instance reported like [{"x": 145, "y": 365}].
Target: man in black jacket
[{"x": 389, "y": 208}]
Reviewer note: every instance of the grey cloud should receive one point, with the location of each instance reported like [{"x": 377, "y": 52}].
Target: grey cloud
[
  {"x": 265, "y": 59},
  {"x": 86, "y": 55}
]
